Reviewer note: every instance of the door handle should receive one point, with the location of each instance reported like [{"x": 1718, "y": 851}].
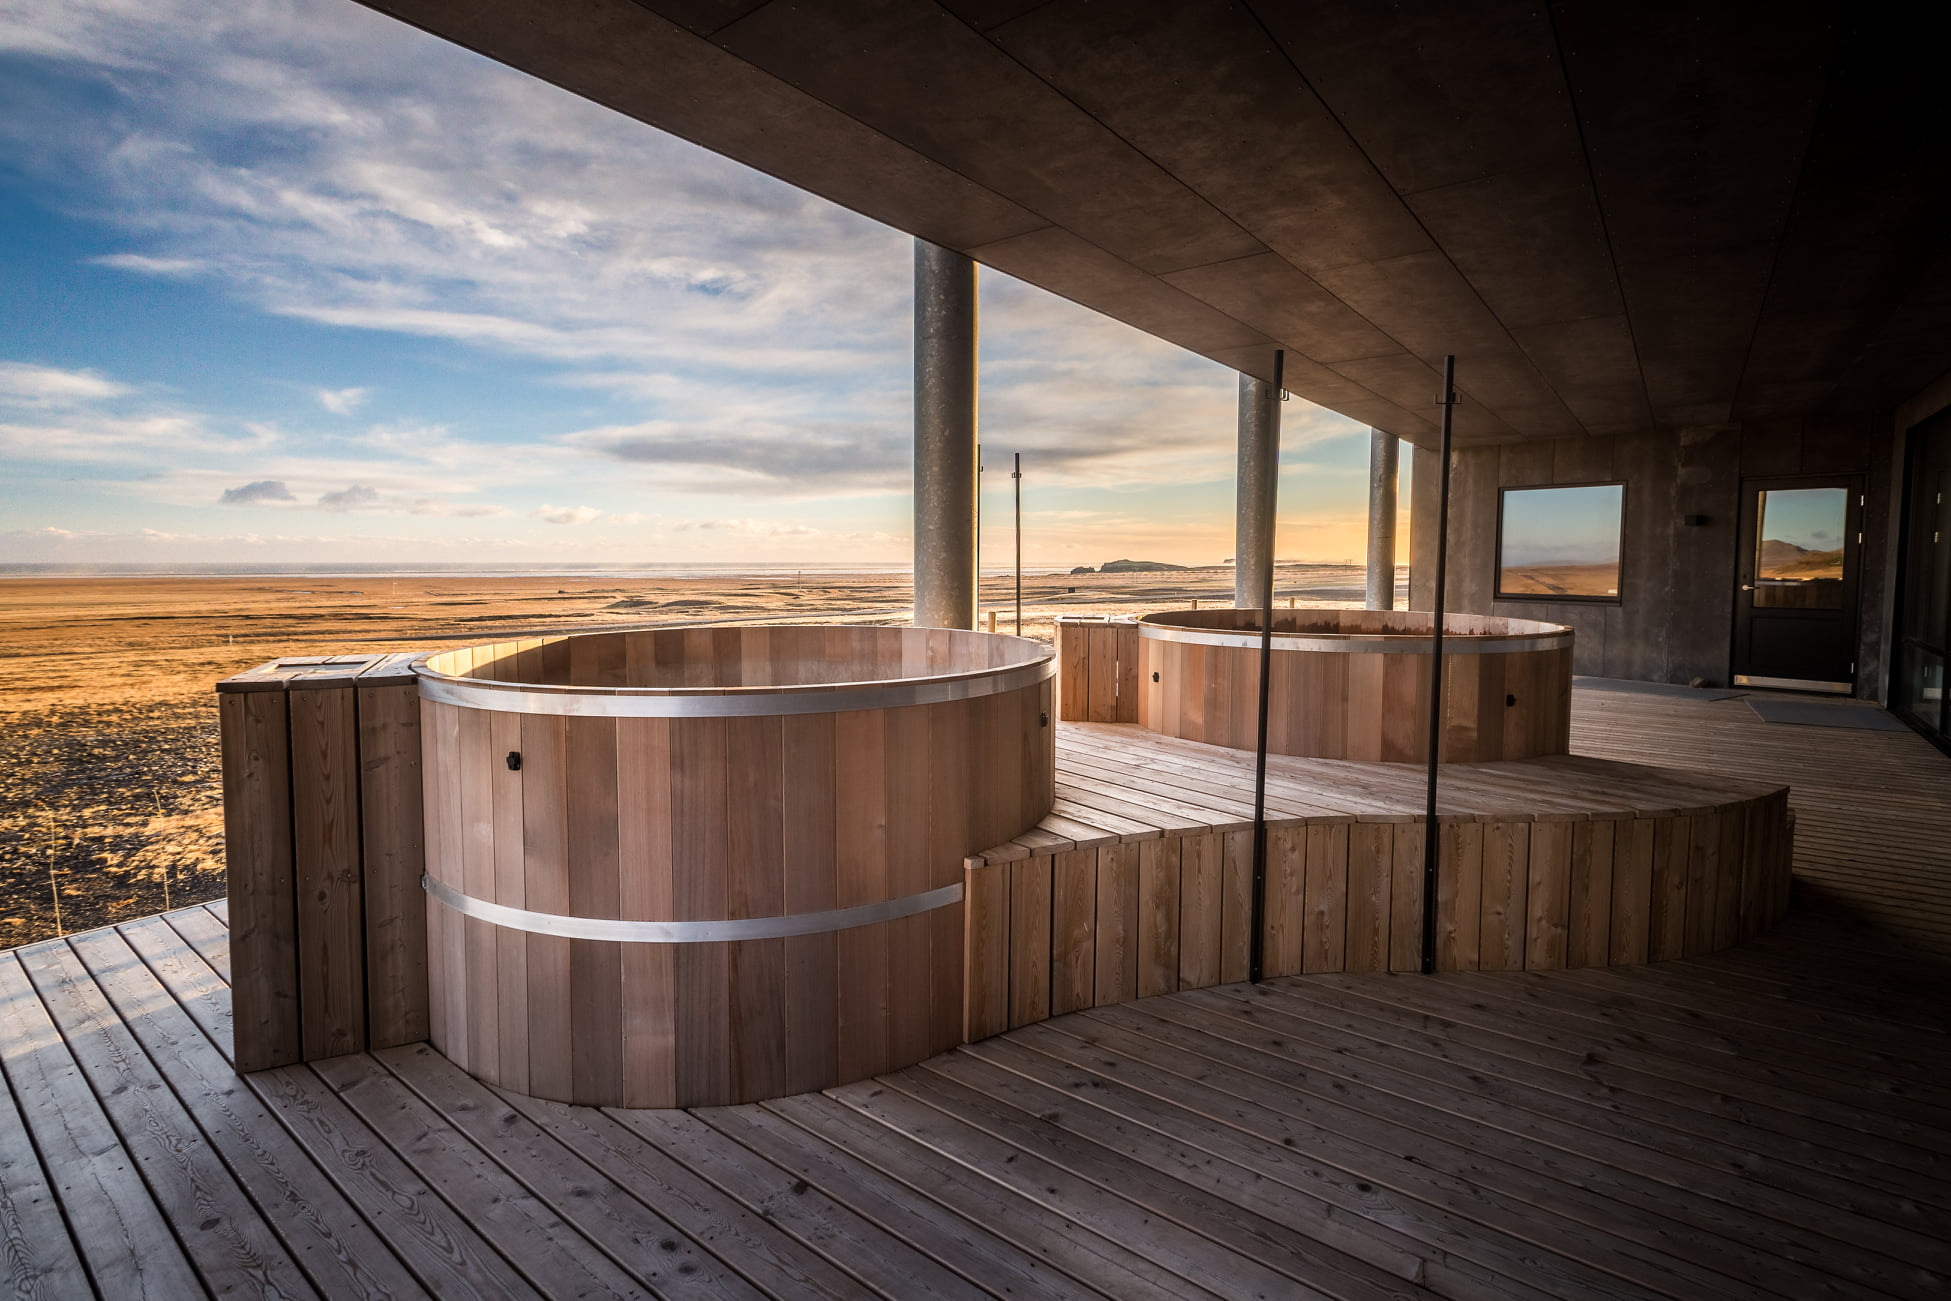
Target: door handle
[{"x": 1747, "y": 587}]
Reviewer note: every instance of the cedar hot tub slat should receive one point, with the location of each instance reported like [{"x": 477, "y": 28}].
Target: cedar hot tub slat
[
  {"x": 719, "y": 775},
  {"x": 1344, "y": 684}
]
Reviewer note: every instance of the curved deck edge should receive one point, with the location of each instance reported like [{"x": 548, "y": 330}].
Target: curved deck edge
[{"x": 1607, "y": 864}]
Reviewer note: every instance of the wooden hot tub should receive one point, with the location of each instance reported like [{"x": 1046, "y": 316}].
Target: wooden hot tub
[
  {"x": 690, "y": 867},
  {"x": 1354, "y": 684}
]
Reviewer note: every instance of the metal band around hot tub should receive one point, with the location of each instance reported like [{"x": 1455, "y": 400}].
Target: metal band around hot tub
[
  {"x": 708, "y": 932},
  {"x": 583, "y": 702},
  {"x": 1361, "y": 643}
]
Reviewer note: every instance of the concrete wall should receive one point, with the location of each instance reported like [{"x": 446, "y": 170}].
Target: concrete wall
[{"x": 1675, "y": 619}]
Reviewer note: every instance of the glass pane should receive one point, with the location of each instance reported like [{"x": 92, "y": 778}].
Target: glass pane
[
  {"x": 1937, "y": 582},
  {"x": 1561, "y": 541},
  {"x": 1799, "y": 558},
  {"x": 1922, "y": 686}
]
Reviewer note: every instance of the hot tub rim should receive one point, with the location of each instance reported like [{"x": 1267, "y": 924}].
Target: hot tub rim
[
  {"x": 1541, "y": 636},
  {"x": 565, "y": 700}
]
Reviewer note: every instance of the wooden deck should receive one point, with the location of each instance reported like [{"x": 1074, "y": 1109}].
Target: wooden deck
[{"x": 1774, "y": 1120}]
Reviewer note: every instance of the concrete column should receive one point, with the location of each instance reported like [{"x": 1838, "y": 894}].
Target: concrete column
[
  {"x": 1257, "y": 478},
  {"x": 945, "y": 438},
  {"x": 1383, "y": 450}
]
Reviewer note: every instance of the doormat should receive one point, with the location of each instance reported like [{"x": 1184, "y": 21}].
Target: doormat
[
  {"x": 1810, "y": 713},
  {"x": 1655, "y": 689}
]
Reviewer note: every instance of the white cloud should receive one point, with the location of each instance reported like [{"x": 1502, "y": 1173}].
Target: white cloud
[
  {"x": 150, "y": 266},
  {"x": 24, "y": 385},
  {"x": 566, "y": 514},
  {"x": 752, "y": 527},
  {"x": 714, "y": 332},
  {"x": 341, "y": 401},
  {"x": 439, "y": 507}
]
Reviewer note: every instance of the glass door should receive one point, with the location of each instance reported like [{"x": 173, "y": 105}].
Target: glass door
[
  {"x": 1795, "y": 608},
  {"x": 1924, "y": 619}
]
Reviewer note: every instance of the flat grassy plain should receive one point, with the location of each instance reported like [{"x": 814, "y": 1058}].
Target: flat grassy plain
[{"x": 110, "y": 793}]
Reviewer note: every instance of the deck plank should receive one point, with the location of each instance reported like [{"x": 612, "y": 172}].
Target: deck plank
[
  {"x": 435, "y": 1240},
  {"x": 622, "y": 1226},
  {"x": 1767, "y": 1118},
  {"x": 962, "y": 1246},
  {"x": 1094, "y": 1263},
  {"x": 549, "y": 1253},
  {"x": 326, "y": 1235},
  {"x": 802, "y": 1222},
  {"x": 225, "y": 1238},
  {"x": 123, "y": 1236},
  {"x": 41, "y": 1260}
]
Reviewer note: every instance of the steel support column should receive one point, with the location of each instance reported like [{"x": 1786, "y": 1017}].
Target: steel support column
[
  {"x": 1258, "y": 475},
  {"x": 1383, "y": 452},
  {"x": 945, "y": 438}
]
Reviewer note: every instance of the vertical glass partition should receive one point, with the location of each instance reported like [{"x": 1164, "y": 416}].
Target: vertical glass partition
[{"x": 1917, "y": 688}]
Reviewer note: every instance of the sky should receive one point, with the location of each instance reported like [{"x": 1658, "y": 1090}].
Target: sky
[
  {"x": 1566, "y": 526},
  {"x": 286, "y": 281},
  {"x": 1811, "y": 518}
]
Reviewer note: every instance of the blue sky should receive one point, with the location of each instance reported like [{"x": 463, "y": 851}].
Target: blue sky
[
  {"x": 1578, "y": 525},
  {"x": 1811, "y": 518},
  {"x": 289, "y": 281}
]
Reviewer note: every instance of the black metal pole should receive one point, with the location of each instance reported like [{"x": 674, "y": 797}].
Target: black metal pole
[
  {"x": 1256, "y": 943},
  {"x": 1017, "y": 475},
  {"x": 1432, "y": 841}
]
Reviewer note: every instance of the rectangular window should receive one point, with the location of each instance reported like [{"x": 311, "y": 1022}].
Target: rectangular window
[
  {"x": 1799, "y": 549},
  {"x": 1560, "y": 544}
]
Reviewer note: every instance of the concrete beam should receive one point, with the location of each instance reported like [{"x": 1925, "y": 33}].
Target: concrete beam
[
  {"x": 1383, "y": 451},
  {"x": 945, "y": 438},
  {"x": 1257, "y": 478}
]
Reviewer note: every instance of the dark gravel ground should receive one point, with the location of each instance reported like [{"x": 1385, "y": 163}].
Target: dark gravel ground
[{"x": 107, "y": 812}]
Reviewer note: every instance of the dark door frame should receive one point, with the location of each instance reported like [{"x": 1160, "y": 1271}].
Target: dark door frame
[
  {"x": 1914, "y": 451},
  {"x": 1746, "y": 539}
]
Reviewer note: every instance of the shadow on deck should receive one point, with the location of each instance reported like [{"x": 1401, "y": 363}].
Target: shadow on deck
[{"x": 1773, "y": 1120}]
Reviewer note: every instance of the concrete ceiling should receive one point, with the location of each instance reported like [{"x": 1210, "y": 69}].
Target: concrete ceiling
[{"x": 1618, "y": 217}]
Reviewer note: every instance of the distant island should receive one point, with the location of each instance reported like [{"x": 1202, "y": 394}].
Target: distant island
[{"x": 1140, "y": 567}]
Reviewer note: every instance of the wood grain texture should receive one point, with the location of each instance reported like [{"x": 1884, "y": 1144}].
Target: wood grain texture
[
  {"x": 1326, "y": 944},
  {"x": 1506, "y": 876},
  {"x": 1029, "y": 939},
  {"x": 985, "y": 949},
  {"x": 645, "y": 893},
  {"x": 1459, "y": 896},
  {"x": 1285, "y": 942},
  {"x": 330, "y": 887},
  {"x": 1588, "y": 938},
  {"x": 1158, "y": 916},
  {"x": 1199, "y": 910},
  {"x": 1406, "y": 897},
  {"x": 1117, "y": 929},
  {"x": 261, "y": 882},
  {"x": 1368, "y": 706},
  {"x": 1073, "y": 930},
  {"x": 1667, "y": 915},
  {"x": 545, "y": 858},
  {"x": 1371, "y": 878},
  {"x": 1548, "y": 895},
  {"x": 703, "y": 818},
  {"x": 392, "y": 826},
  {"x": 595, "y": 890}
]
